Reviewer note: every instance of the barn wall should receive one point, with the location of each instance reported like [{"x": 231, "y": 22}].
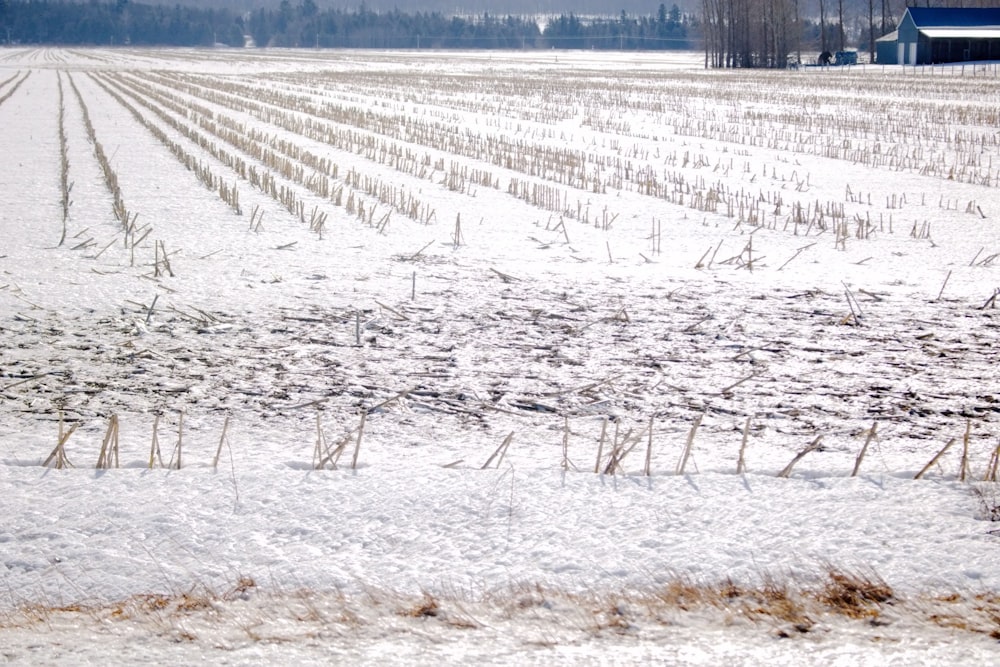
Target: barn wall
[
  {"x": 908, "y": 35},
  {"x": 885, "y": 52}
]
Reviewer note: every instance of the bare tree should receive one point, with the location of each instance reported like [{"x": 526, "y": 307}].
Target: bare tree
[
  {"x": 871, "y": 31},
  {"x": 750, "y": 33},
  {"x": 797, "y": 32},
  {"x": 822, "y": 25},
  {"x": 840, "y": 26}
]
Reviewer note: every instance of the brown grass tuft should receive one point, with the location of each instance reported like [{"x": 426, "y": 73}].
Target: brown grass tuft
[
  {"x": 684, "y": 595},
  {"x": 853, "y": 595},
  {"x": 781, "y": 603},
  {"x": 241, "y": 589},
  {"x": 427, "y": 607}
]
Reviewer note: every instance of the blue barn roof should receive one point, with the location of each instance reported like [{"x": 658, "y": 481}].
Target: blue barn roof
[{"x": 953, "y": 17}]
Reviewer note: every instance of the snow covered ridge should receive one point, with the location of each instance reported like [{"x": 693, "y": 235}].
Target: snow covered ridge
[{"x": 426, "y": 322}]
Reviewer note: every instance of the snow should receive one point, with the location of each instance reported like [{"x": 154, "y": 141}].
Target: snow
[{"x": 420, "y": 345}]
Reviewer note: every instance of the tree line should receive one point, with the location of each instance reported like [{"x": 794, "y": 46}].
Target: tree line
[
  {"x": 123, "y": 22},
  {"x": 733, "y": 33}
]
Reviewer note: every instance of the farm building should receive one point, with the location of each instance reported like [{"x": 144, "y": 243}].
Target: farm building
[
  {"x": 885, "y": 48},
  {"x": 928, "y": 35}
]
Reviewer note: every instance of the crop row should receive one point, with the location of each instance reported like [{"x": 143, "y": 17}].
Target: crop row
[
  {"x": 301, "y": 115},
  {"x": 896, "y": 122},
  {"x": 385, "y": 129},
  {"x": 281, "y": 134}
]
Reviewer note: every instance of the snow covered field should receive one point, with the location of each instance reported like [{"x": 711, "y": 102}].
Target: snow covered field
[{"x": 496, "y": 358}]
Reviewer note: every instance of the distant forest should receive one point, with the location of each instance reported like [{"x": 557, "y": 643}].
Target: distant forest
[
  {"x": 456, "y": 7},
  {"x": 122, "y": 22}
]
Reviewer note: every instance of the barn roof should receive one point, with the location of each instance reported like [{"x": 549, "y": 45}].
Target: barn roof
[
  {"x": 961, "y": 33},
  {"x": 954, "y": 17}
]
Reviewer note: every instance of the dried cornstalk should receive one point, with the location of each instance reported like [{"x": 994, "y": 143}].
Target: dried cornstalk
[
  {"x": 621, "y": 450},
  {"x": 991, "y": 468},
  {"x": 457, "y": 237},
  {"x": 58, "y": 456},
  {"x": 964, "y": 467},
  {"x": 222, "y": 441},
  {"x": 649, "y": 448},
  {"x": 357, "y": 444},
  {"x": 321, "y": 448},
  {"x": 180, "y": 442},
  {"x": 154, "y": 445},
  {"x": 108, "y": 456},
  {"x": 600, "y": 444},
  {"x": 566, "y": 463},
  {"x": 688, "y": 445},
  {"x": 864, "y": 450},
  {"x": 813, "y": 446},
  {"x": 935, "y": 459},
  {"x": 499, "y": 452},
  {"x": 741, "y": 462},
  {"x": 614, "y": 459}
]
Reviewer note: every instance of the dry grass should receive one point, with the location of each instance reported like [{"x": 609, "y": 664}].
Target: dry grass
[
  {"x": 426, "y": 607},
  {"x": 854, "y": 595},
  {"x": 197, "y": 599},
  {"x": 533, "y": 612}
]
